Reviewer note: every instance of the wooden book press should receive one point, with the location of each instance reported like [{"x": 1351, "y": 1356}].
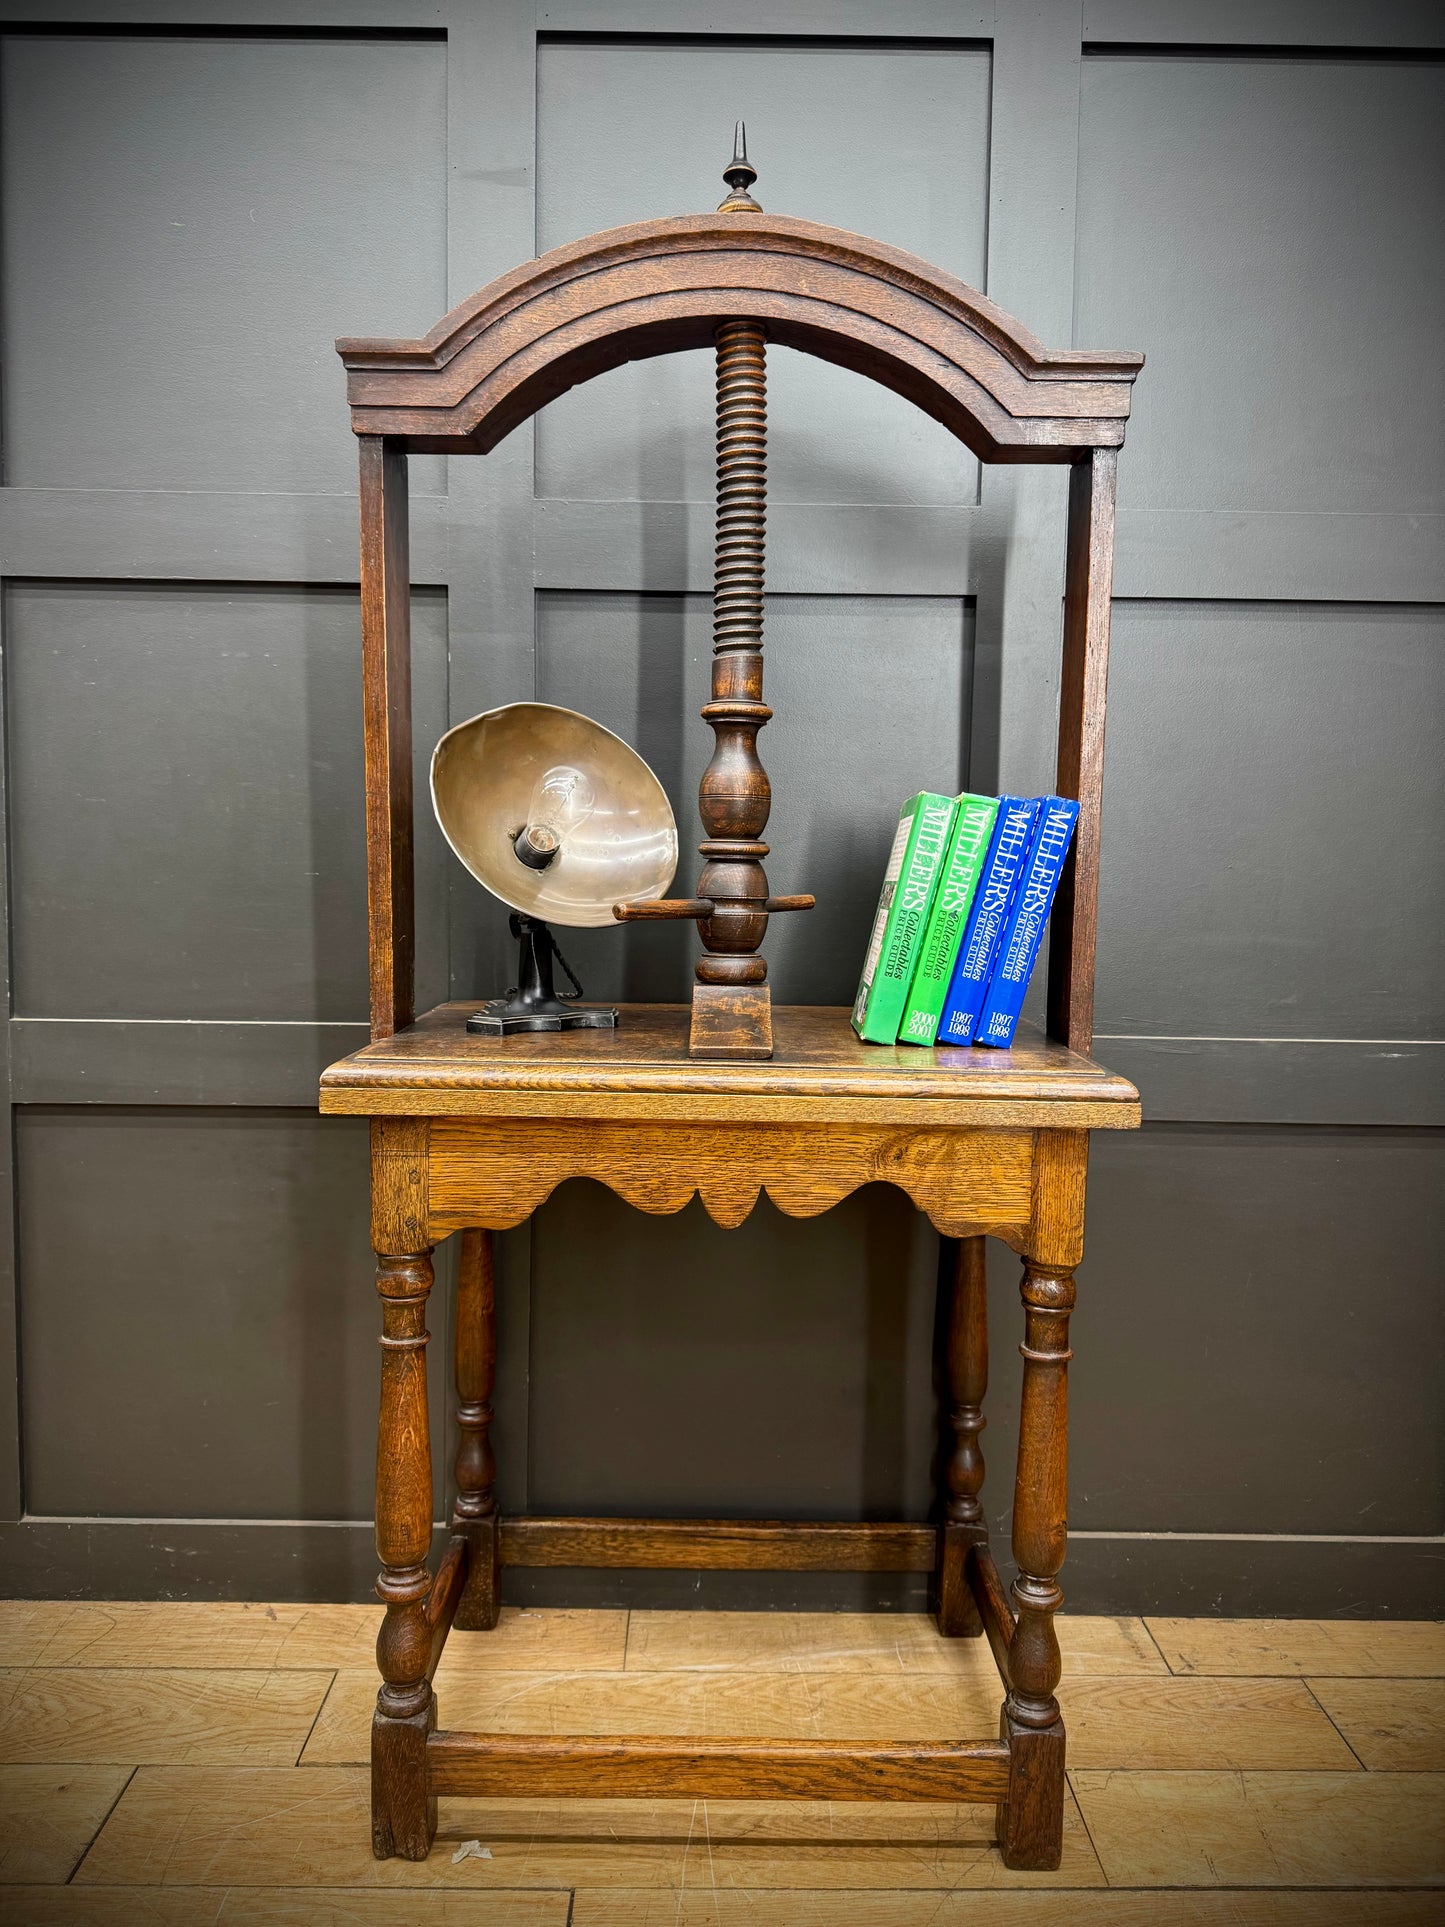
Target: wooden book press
[{"x": 471, "y": 1133}]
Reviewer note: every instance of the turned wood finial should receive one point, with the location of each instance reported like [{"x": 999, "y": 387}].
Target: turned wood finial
[{"x": 740, "y": 175}]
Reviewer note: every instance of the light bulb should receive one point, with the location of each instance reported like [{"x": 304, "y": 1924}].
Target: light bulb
[{"x": 562, "y": 800}]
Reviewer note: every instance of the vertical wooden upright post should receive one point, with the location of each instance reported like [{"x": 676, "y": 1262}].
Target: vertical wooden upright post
[
  {"x": 403, "y": 1812},
  {"x": 475, "y": 1513},
  {"x": 1088, "y": 586},
  {"x": 967, "y": 1382},
  {"x": 386, "y": 686},
  {"x": 1031, "y": 1814}
]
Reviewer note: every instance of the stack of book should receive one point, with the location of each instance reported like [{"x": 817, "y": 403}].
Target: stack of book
[{"x": 967, "y": 892}]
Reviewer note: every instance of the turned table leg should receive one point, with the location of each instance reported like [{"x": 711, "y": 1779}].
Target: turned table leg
[
  {"x": 475, "y": 1513},
  {"x": 1031, "y": 1816},
  {"x": 403, "y": 1815},
  {"x": 966, "y": 1366}
]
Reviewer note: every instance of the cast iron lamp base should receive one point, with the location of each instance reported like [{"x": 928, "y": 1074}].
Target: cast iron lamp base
[{"x": 535, "y": 1004}]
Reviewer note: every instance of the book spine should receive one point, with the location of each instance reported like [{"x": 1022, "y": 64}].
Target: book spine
[
  {"x": 889, "y": 967},
  {"x": 892, "y": 871},
  {"x": 1013, "y": 831},
  {"x": 962, "y": 867},
  {"x": 1019, "y": 945}
]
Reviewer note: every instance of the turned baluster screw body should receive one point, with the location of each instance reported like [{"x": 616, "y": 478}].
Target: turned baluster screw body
[{"x": 735, "y": 797}]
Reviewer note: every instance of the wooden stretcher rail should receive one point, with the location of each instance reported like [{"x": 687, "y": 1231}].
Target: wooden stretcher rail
[
  {"x": 993, "y": 1607},
  {"x": 444, "y": 1597},
  {"x": 549, "y": 1766},
  {"x": 714, "y": 1545}
]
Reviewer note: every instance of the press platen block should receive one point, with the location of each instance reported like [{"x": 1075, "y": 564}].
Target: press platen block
[{"x": 731, "y": 1021}]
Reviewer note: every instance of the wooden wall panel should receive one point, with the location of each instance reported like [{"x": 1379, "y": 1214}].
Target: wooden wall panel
[
  {"x": 186, "y": 830},
  {"x": 1240, "y": 1289},
  {"x": 1267, "y": 226},
  {"x": 645, "y": 433},
  {"x": 199, "y": 1319},
  {"x": 228, "y": 204},
  {"x": 1274, "y": 796}
]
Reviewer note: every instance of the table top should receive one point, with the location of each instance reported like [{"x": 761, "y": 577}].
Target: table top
[{"x": 819, "y": 1071}]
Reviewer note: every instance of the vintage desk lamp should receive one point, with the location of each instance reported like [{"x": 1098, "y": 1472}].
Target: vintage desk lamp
[{"x": 561, "y": 820}]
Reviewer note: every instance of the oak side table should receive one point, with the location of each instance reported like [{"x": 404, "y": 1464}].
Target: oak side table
[{"x": 470, "y": 1134}]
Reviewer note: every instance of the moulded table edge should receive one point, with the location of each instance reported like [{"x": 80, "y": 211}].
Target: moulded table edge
[{"x": 375, "y": 1098}]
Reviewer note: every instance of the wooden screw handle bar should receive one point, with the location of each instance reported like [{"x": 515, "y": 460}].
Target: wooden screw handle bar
[{"x": 663, "y": 909}]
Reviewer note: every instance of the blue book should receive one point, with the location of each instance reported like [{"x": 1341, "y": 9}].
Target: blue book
[
  {"x": 1024, "y": 931},
  {"x": 1012, "y": 833}
]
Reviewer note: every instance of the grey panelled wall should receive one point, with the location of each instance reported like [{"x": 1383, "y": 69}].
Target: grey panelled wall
[
  {"x": 1309, "y": 193},
  {"x": 645, "y": 432},
  {"x": 230, "y": 174},
  {"x": 187, "y": 217},
  {"x": 1276, "y": 777},
  {"x": 261, "y": 1234},
  {"x": 184, "y": 772}
]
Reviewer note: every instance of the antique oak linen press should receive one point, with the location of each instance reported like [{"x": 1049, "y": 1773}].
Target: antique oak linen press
[{"x": 471, "y": 1133}]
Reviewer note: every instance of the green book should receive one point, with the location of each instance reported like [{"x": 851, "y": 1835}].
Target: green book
[
  {"x": 937, "y": 954},
  {"x": 914, "y": 866}
]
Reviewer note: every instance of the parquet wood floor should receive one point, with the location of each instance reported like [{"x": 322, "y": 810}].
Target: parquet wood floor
[{"x": 1223, "y": 1773}]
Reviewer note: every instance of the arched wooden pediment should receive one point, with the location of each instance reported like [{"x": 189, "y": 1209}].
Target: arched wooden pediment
[{"x": 632, "y": 292}]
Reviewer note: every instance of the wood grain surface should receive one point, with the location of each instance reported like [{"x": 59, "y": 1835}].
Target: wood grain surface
[
  {"x": 49, "y": 1815},
  {"x": 308, "y": 1827},
  {"x": 991, "y": 1603},
  {"x": 767, "y": 1768},
  {"x": 474, "y": 1367},
  {"x": 274, "y": 1906},
  {"x": 662, "y": 286},
  {"x": 386, "y": 694},
  {"x": 223, "y": 1633},
  {"x": 1266, "y": 1829},
  {"x": 1379, "y": 1649},
  {"x": 703, "y": 1705},
  {"x": 964, "y": 1364},
  {"x": 496, "y": 1173},
  {"x": 864, "y": 1643},
  {"x": 1393, "y": 1726},
  {"x": 180, "y": 1842},
  {"x": 819, "y": 1072},
  {"x": 1084, "y": 675},
  {"x": 399, "y": 1171},
  {"x": 281, "y": 1907},
  {"x": 408, "y": 1645},
  {"x": 718, "y": 1545},
  {"x": 158, "y": 1716},
  {"x": 633, "y": 1907},
  {"x": 1165, "y": 1723},
  {"x": 1130, "y": 1724}
]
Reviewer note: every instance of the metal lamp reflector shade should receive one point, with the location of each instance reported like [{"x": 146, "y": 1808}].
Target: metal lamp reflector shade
[{"x": 553, "y": 813}]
